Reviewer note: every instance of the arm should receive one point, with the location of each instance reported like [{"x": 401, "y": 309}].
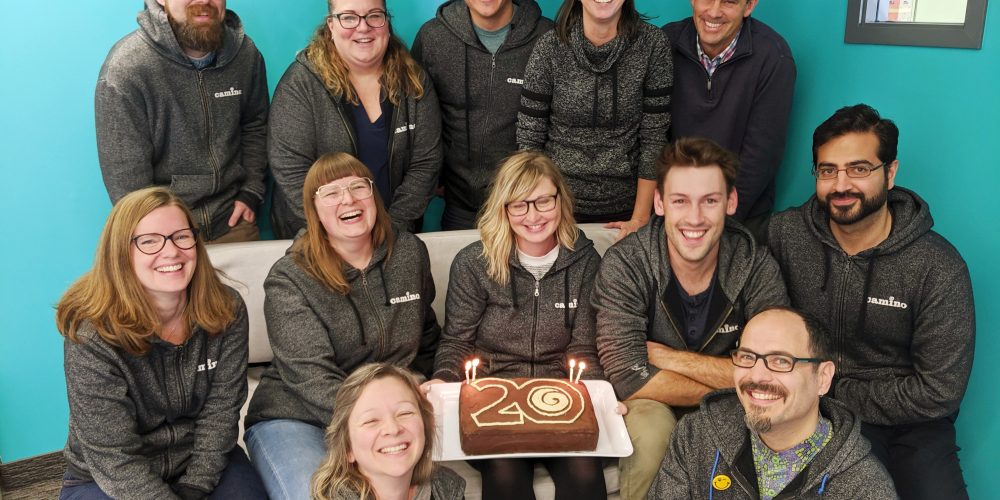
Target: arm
[
  {"x": 536, "y": 97},
  {"x": 714, "y": 372},
  {"x": 103, "y": 420},
  {"x": 766, "y": 286},
  {"x": 414, "y": 192},
  {"x": 583, "y": 341},
  {"x": 291, "y": 135},
  {"x": 674, "y": 480},
  {"x": 645, "y": 190},
  {"x": 672, "y": 388},
  {"x": 254, "y": 140},
  {"x": 766, "y": 131},
  {"x": 465, "y": 305},
  {"x": 216, "y": 427},
  {"x": 424, "y": 362},
  {"x": 124, "y": 145},
  {"x": 944, "y": 337},
  {"x": 303, "y": 352}
]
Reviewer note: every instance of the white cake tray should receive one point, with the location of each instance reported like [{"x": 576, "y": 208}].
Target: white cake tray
[{"x": 612, "y": 440}]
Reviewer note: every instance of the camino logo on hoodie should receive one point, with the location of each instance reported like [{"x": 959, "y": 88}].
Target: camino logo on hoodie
[
  {"x": 890, "y": 302},
  {"x": 405, "y": 298}
]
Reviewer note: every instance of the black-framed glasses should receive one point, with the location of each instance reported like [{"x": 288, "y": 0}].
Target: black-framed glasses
[
  {"x": 776, "y": 362},
  {"x": 542, "y": 204},
  {"x": 857, "y": 171},
  {"x": 351, "y": 20},
  {"x": 331, "y": 195},
  {"x": 152, "y": 243}
]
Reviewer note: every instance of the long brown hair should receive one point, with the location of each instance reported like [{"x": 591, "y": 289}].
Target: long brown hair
[
  {"x": 336, "y": 472},
  {"x": 312, "y": 251},
  {"x": 400, "y": 72},
  {"x": 110, "y": 298},
  {"x": 571, "y": 13}
]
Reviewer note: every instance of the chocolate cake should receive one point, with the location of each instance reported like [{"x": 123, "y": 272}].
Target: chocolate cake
[{"x": 525, "y": 416}]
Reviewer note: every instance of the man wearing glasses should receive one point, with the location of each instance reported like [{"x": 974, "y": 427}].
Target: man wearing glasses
[
  {"x": 672, "y": 299},
  {"x": 774, "y": 434},
  {"x": 182, "y": 102},
  {"x": 895, "y": 296}
]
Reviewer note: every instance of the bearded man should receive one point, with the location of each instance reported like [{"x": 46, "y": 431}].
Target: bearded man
[
  {"x": 896, "y": 297},
  {"x": 182, "y": 102}
]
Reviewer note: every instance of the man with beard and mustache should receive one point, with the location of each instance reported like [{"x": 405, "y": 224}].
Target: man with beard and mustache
[
  {"x": 896, "y": 297},
  {"x": 774, "y": 435},
  {"x": 182, "y": 102},
  {"x": 672, "y": 299}
]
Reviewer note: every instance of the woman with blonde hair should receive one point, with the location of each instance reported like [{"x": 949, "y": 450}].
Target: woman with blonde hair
[
  {"x": 519, "y": 300},
  {"x": 155, "y": 357},
  {"x": 351, "y": 290},
  {"x": 379, "y": 441},
  {"x": 355, "y": 89}
]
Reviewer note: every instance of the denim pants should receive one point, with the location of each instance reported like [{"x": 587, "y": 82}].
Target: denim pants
[
  {"x": 286, "y": 453},
  {"x": 238, "y": 480}
]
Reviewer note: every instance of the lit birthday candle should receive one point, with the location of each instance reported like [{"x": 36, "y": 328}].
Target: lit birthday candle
[
  {"x": 475, "y": 364},
  {"x": 572, "y": 365},
  {"x": 579, "y": 370},
  {"x": 468, "y": 366}
]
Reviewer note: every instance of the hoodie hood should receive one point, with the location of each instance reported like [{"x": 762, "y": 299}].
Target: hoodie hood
[
  {"x": 455, "y": 16},
  {"x": 155, "y": 30}
]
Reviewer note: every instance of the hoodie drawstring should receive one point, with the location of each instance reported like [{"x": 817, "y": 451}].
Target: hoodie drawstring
[
  {"x": 826, "y": 268},
  {"x": 385, "y": 289},
  {"x": 357, "y": 317},
  {"x": 822, "y": 485},
  {"x": 711, "y": 477},
  {"x": 513, "y": 290},
  {"x": 864, "y": 294},
  {"x": 566, "y": 322},
  {"x": 468, "y": 128}
]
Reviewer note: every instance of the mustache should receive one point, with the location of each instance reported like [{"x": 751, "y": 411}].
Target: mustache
[
  {"x": 202, "y": 10},
  {"x": 836, "y": 195},
  {"x": 748, "y": 387}
]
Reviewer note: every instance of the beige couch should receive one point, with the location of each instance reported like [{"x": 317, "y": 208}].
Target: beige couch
[{"x": 245, "y": 265}]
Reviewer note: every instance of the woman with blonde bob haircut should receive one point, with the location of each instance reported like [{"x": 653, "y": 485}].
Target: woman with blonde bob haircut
[
  {"x": 381, "y": 405},
  {"x": 155, "y": 358},
  {"x": 356, "y": 89},
  {"x": 519, "y": 299},
  {"x": 351, "y": 290}
]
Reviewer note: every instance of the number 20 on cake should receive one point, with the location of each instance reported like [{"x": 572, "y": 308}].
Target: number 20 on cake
[{"x": 524, "y": 415}]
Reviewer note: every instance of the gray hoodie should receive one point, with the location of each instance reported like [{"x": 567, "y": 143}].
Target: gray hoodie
[
  {"x": 320, "y": 336},
  {"x": 202, "y": 133},
  {"x": 479, "y": 93},
  {"x": 307, "y": 121},
  {"x": 901, "y": 314},
  {"x": 601, "y": 113},
  {"x": 445, "y": 485},
  {"x": 525, "y": 328},
  {"x": 157, "y": 425},
  {"x": 715, "y": 442},
  {"x": 631, "y": 308}
]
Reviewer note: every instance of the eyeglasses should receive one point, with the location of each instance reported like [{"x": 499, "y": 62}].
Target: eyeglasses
[
  {"x": 859, "y": 171},
  {"x": 152, "y": 243},
  {"x": 781, "y": 363},
  {"x": 542, "y": 204},
  {"x": 350, "y": 20},
  {"x": 331, "y": 195}
]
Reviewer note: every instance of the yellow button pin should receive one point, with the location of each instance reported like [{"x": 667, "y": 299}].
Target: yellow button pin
[{"x": 722, "y": 482}]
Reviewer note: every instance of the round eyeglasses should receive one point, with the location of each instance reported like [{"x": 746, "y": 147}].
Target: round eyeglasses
[
  {"x": 351, "y": 20},
  {"x": 542, "y": 204},
  {"x": 781, "y": 363},
  {"x": 152, "y": 243},
  {"x": 857, "y": 171},
  {"x": 332, "y": 195}
]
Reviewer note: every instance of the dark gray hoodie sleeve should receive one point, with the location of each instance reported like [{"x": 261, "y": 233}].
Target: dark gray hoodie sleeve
[
  {"x": 253, "y": 139},
  {"x": 765, "y": 286},
  {"x": 216, "y": 428},
  {"x": 104, "y": 421},
  {"x": 656, "y": 95},
  {"x": 124, "y": 141},
  {"x": 536, "y": 95},
  {"x": 420, "y": 178},
  {"x": 583, "y": 344},
  {"x": 431, "y": 335},
  {"x": 465, "y": 305},
  {"x": 303, "y": 353},
  {"x": 291, "y": 134},
  {"x": 674, "y": 480}
]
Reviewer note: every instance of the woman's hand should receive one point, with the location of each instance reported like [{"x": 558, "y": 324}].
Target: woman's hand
[
  {"x": 625, "y": 227},
  {"x": 621, "y": 409},
  {"x": 426, "y": 386}
]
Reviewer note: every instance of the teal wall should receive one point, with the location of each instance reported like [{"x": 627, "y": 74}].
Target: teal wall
[{"x": 56, "y": 203}]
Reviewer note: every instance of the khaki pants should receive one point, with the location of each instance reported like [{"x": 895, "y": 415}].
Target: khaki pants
[
  {"x": 650, "y": 424},
  {"x": 242, "y": 231}
]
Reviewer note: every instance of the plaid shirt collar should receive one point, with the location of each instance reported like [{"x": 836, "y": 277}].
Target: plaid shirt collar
[{"x": 711, "y": 64}]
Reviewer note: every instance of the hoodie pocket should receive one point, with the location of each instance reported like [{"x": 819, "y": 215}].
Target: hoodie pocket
[{"x": 192, "y": 188}]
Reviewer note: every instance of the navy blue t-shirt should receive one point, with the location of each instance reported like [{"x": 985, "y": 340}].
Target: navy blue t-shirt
[{"x": 373, "y": 145}]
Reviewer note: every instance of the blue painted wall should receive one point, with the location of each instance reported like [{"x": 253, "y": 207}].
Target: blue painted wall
[{"x": 943, "y": 100}]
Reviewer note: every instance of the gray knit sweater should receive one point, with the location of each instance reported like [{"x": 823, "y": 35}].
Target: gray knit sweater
[
  {"x": 319, "y": 336},
  {"x": 149, "y": 426},
  {"x": 601, "y": 113}
]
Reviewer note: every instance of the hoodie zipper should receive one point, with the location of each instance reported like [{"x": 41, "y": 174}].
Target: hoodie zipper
[
  {"x": 392, "y": 139},
  {"x": 715, "y": 330},
  {"x": 489, "y": 96},
  {"x": 378, "y": 317},
  {"x": 347, "y": 128},
  {"x": 841, "y": 313},
  {"x": 534, "y": 329},
  {"x": 216, "y": 170}
]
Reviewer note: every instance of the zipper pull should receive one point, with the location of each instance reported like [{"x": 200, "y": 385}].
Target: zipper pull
[
  {"x": 536, "y": 288},
  {"x": 493, "y": 62},
  {"x": 709, "y": 84}
]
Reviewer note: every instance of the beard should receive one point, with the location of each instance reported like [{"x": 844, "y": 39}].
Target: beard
[
  {"x": 198, "y": 37},
  {"x": 755, "y": 417},
  {"x": 848, "y": 216}
]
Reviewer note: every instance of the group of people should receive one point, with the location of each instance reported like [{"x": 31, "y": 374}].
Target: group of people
[{"x": 828, "y": 346}]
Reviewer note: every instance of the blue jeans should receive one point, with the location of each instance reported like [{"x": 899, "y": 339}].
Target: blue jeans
[
  {"x": 238, "y": 480},
  {"x": 286, "y": 453}
]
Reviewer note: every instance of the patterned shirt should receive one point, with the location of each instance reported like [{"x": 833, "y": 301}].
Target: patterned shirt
[
  {"x": 712, "y": 63},
  {"x": 776, "y": 469}
]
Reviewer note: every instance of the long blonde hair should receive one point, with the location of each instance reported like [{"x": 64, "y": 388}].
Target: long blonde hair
[
  {"x": 400, "y": 72},
  {"x": 312, "y": 251},
  {"x": 112, "y": 300},
  {"x": 336, "y": 472},
  {"x": 516, "y": 178}
]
